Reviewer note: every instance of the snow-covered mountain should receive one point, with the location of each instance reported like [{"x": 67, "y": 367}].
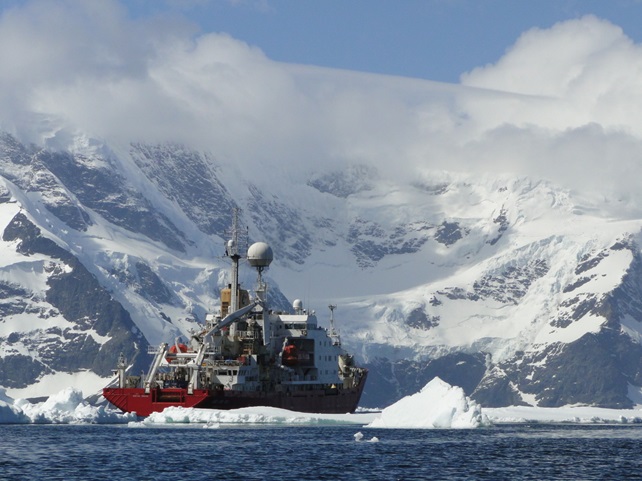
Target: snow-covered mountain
[
  {"x": 510, "y": 287},
  {"x": 126, "y": 144}
]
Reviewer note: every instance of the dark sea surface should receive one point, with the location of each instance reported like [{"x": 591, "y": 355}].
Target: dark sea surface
[{"x": 191, "y": 453}]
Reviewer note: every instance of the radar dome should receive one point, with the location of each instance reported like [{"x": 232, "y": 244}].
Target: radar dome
[
  {"x": 260, "y": 255},
  {"x": 297, "y": 304}
]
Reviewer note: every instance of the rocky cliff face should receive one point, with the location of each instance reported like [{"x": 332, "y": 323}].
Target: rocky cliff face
[
  {"x": 75, "y": 324},
  {"x": 602, "y": 367},
  {"x": 501, "y": 286}
]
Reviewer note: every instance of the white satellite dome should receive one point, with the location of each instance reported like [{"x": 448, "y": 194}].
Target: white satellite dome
[
  {"x": 260, "y": 255},
  {"x": 297, "y": 304}
]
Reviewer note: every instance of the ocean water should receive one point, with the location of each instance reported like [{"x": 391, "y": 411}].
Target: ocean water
[{"x": 283, "y": 453}]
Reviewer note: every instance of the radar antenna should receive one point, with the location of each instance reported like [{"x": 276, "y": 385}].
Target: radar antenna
[{"x": 260, "y": 256}]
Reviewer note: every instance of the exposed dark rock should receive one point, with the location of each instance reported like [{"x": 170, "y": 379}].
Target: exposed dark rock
[
  {"x": 578, "y": 283},
  {"x": 323, "y": 225},
  {"x": 151, "y": 286},
  {"x": 354, "y": 179},
  {"x": 502, "y": 220},
  {"x": 623, "y": 244},
  {"x": 418, "y": 319},
  {"x": 12, "y": 297},
  {"x": 449, "y": 232},
  {"x": 15, "y": 306},
  {"x": 588, "y": 262},
  {"x": 13, "y": 151},
  {"x": 497, "y": 390},
  {"x": 511, "y": 284},
  {"x": 593, "y": 370},
  {"x": 580, "y": 306},
  {"x": 371, "y": 243},
  {"x": 19, "y": 371},
  {"x": 454, "y": 293}
]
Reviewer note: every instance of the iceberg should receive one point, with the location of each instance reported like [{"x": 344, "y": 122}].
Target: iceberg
[
  {"x": 66, "y": 407},
  {"x": 9, "y": 414},
  {"x": 437, "y": 405}
]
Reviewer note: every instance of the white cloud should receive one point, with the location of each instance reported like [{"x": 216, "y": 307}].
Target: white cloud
[
  {"x": 562, "y": 103},
  {"x": 579, "y": 121},
  {"x": 588, "y": 70},
  {"x": 53, "y": 42}
]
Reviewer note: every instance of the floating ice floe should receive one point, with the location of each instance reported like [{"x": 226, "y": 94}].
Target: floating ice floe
[
  {"x": 251, "y": 415},
  {"x": 359, "y": 436},
  {"x": 574, "y": 415},
  {"x": 437, "y": 405},
  {"x": 66, "y": 407}
]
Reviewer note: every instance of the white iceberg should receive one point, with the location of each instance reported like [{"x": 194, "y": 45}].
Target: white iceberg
[
  {"x": 66, "y": 407},
  {"x": 437, "y": 405},
  {"x": 9, "y": 414},
  {"x": 358, "y": 437}
]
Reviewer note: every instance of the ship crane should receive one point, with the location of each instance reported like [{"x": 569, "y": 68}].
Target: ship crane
[
  {"x": 230, "y": 318},
  {"x": 155, "y": 365}
]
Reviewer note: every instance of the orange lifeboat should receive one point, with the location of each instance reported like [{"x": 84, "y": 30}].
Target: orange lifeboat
[
  {"x": 173, "y": 349},
  {"x": 290, "y": 355}
]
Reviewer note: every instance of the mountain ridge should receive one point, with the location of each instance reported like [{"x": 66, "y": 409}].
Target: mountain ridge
[{"x": 496, "y": 284}]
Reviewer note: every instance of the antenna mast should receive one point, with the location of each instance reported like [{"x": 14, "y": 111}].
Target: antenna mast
[
  {"x": 232, "y": 251},
  {"x": 332, "y": 307}
]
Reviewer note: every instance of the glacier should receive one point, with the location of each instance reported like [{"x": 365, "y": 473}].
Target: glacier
[{"x": 510, "y": 287}]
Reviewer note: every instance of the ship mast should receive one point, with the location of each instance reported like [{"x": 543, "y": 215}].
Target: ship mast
[
  {"x": 332, "y": 307},
  {"x": 333, "y": 333},
  {"x": 232, "y": 251}
]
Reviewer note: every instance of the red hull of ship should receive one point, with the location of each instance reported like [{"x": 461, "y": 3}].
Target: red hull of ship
[{"x": 311, "y": 401}]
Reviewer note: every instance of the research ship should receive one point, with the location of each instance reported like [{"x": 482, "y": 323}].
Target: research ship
[{"x": 247, "y": 355}]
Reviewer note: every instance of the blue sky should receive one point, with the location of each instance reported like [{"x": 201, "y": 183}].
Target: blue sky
[{"x": 429, "y": 39}]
